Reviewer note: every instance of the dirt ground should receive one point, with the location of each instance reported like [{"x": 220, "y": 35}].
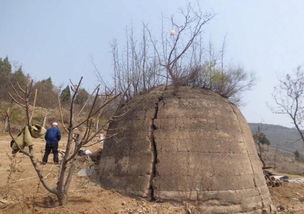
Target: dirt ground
[{"x": 20, "y": 191}]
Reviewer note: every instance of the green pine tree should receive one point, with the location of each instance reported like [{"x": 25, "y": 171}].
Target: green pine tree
[
  {"x": 20, "y": 77},
  {"x": 47, "y": 95},
  {"x": 65, "y": 95},
  {"x": 5, "y": 72}
]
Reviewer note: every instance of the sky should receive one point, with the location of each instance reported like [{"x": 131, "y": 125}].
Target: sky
[{"x": 61, "y": 38}]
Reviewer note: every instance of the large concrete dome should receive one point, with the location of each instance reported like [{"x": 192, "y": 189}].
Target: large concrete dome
[{"x": 185, "y": 145}]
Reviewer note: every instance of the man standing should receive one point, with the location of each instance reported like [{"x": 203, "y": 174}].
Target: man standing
[{"x": 52, "y": 137}]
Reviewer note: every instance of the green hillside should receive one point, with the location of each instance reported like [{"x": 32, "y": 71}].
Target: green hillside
[{"x": 281, "y": 137}]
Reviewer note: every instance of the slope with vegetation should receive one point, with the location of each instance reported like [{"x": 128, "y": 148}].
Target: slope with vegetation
[
  {"x": 282, "y": 138},
  {"x": 11, "y": 77}
]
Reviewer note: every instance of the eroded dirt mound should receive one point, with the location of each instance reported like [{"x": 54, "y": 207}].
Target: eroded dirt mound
[{"x": 185, "y": 145}]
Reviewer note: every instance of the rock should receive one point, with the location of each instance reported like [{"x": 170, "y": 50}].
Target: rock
[
  {"x": 280, "y": 208},
  {"x": 85, "y": 172},
  {"x": 87, "y": 152}
]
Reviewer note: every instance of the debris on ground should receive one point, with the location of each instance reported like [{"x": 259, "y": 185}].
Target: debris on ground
[
  {"x": 280, "y": 208},
  {"x": 84, "y": 152},
  {"x": 85, "y": 172},
  {"x": 273, "y": 180},
  {"x": 296, "y": 180}
]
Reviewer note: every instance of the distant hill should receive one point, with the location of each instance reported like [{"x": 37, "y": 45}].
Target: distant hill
[{"x": 282, "y": 138}]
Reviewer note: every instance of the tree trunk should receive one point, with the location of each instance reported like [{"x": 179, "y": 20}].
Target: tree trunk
[
  {"x": 6, "y": 125},
  {"x": 62, "y": 198}
]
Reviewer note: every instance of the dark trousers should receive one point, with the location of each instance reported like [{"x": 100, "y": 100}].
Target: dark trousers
[{"x": 48, "y": 148}]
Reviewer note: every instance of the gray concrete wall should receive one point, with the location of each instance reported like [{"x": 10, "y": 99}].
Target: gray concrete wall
[{"x": 185, "y": 145}]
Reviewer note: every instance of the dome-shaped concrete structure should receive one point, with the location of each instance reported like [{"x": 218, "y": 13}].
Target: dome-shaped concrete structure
[{"x": 185, "y": 145}]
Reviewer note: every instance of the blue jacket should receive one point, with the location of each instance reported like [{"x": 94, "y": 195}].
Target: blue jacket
[{"x": 52, "y": 135}]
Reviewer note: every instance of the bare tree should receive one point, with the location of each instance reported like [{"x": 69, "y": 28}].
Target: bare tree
[
  {"x": 289, "y": 99},
  {"x": 21, "y": 96},
  {"x": 175, "y": 46},
  {"x": 144, "y": 62},
  {"x": 176, "y": 57},
  {"x": 136, "y": 68}
]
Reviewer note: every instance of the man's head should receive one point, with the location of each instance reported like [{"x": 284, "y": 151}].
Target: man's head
[{"x": 54, "y": 124}]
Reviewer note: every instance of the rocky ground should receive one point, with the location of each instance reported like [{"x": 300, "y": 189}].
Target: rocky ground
[{"x": 20, "y": 191}]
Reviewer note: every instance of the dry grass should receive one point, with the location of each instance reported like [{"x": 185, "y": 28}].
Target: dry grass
[{"x": 283, "y": 162}]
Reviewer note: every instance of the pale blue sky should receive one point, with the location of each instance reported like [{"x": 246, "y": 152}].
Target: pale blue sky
[{"x": 58, "y": 38}]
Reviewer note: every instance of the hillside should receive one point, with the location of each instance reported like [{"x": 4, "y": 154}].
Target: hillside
[
  {"x": 284, "y": 142},
  {"x": 280, "y": 137}
]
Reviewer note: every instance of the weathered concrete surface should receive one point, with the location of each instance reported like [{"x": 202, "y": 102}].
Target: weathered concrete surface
[{"x": 185, "y": 145}]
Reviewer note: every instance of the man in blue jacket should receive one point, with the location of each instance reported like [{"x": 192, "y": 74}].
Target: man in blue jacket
[{"x": 52, "y": 137}]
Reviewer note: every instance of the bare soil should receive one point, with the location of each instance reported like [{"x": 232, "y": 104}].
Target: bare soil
[{"x": 21, "y": 192}]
